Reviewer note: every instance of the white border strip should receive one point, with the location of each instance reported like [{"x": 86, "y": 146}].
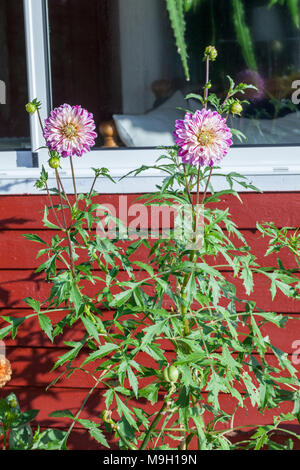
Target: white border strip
[
  {"x": 37, "y": 70},
  {"x": 268, "y": 168}
]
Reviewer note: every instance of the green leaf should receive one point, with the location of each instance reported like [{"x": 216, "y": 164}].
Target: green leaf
[
  {"x": 75, "y": 297},
  {"x": 35, "y": 238},
  {"x": 121, "y": 298},
  {"x": 98, "y": 435},
  {"x": 262, "y": 345},
  {"x": 94, "y": 431},
  {"x": 283, "y": 360},
  {"x": 34, "y": 304},
  {"x": 62, "y": 414},
  {"x": 146, "y": 267},
  {"x": 46, "y": 221},
  {"x": 238, "y": 134},
  {"x": 215, "y": 196},
  {"x": 101, "y": 352},
  {"x": 253, "y": 392},
  {"x": 109, "y": 396},
  {"x": 70, "y": 355},
  {"x": 123, "y": 410},
  {"x": 50, "y": 439},
  {"x": 293, "y": 6},
  {"x": 176, "y": 13},
  {"x": 46, "y": 325},
  {"x": 152, "y": 331},
  {"x": 91, "y": 328},
  {"x": 133, "y": 381},
  {"x": 24, "y": 418},
  {"x": 20, "y": 438},
  {"x": 150, "y": 392},
  {"x": 6, "y": 331},
  {"x": 243, "y": 34},
  {"x": 13, "y": 327},
  {"x": 261, "y": 438}
]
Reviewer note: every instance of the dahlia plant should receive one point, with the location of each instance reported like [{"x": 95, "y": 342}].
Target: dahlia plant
[
  {"x": 15, "y": 430},
  {"x": 181, "y": 354}
]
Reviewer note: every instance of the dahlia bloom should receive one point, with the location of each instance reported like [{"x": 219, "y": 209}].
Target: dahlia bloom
[
  {"x": 70, "y": 130},
  {"x": 203, "y": 137},
  {"x": 5, "y": 371}
]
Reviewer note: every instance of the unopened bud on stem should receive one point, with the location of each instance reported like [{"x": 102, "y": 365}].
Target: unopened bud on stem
[
  {"x": 33, "y": 106},
  {"x": 211, "y": 53},
  {"x": 236, "y": 108},
  {"x": 54, "y": 162}
]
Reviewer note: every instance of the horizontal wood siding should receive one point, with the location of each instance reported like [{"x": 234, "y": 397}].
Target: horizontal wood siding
[{"x": 32, "y": 355}]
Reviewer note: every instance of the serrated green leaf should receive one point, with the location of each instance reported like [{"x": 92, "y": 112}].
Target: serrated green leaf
[
  {"x": 46, "y": 325},
  {"x": 34, "y": 304},
  {"x": 101, "y": 352}
]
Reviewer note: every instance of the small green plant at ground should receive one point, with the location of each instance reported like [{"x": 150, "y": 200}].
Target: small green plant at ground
[{"x": 16, "y": 432}]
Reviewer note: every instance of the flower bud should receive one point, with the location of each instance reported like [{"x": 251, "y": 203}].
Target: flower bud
[
  {"x": 236, "y": 108},
  {"x": 54, "y": 162},
  {"x": 171, "y": 374},
  {"x": 211, "y": 52},
  {"x": 31, "y": 108},
  {"x": 12, "y": 402}
]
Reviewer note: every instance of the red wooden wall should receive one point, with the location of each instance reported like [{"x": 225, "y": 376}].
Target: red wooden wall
[{"x": 32, "y": 355}]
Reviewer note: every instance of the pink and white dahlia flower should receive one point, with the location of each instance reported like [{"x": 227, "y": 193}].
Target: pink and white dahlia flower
[
  {"x": 203, "y": 137},
  {"x": 70, "y": 130}
]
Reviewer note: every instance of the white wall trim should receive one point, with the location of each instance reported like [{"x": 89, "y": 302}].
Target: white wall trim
[
  {"x": 269, "y": 168},
  {"x": 37, "y": 67}
]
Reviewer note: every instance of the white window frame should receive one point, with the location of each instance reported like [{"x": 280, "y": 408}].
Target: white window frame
[{"x": 271, "y": 168}]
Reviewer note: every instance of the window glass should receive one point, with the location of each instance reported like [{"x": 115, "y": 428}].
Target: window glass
[
  {"x": 14, "y": 122},
  {"x": 258, "y": 42},
  {"x": 109, "y": 56},
  {"x": 118, "y": 59}
]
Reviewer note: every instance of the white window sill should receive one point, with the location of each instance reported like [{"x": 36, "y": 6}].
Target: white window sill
[{"x": 268, "y": 168}]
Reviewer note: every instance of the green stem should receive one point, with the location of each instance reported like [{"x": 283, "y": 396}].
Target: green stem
[
  {"x": 192, "y": 256},
  {"x": 198, "y": 185},
  {"x": 153, "y": 426},
  {"x": 82, "y": 406},
  {"x": 40, "y": 120},
  {"x": 63, "y": 190},
  {"x": 207, "y": 80},
  {"x": 53, "y": 209},
  {"x": 65, "y": 227},
  {"x": 73, "y": 177},
  {"x": 92, "y": 187},
  {"x": 207, "y": 184},
  {"x": 124, "y": 439},
  {"x": 187, "y": 185}
]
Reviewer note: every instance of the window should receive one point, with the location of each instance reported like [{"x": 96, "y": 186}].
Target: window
[
  {"x": 112, "y": 56},
  {"x": 118, "y": 59},
  {"x": 259, "y": 43},
  {"x": 14, "y": 123},
  {"x": 14, "y": 127}
]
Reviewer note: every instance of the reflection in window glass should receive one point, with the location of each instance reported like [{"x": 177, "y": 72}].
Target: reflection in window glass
[
  {"x": 108, "y": 56},
  {"x": 118, "y": 59},
  {"x": 258, "y": 44},
  {"x": 14, "y": 122}
]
